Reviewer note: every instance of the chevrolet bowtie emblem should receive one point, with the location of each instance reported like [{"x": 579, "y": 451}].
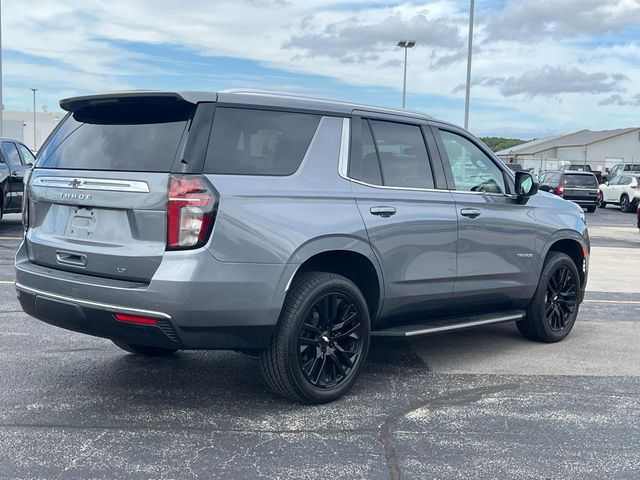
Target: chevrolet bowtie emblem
[{"x": 75, "y": 183}]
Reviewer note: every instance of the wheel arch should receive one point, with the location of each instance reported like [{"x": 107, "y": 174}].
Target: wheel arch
[
  {"x": 348, "y": 256},
  {"x": 575, "y": 247}
]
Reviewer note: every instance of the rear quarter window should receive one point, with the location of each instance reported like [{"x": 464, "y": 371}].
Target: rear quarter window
[
  {"x": 258, "y": 142},
  {"x": 138, "y": 136}
]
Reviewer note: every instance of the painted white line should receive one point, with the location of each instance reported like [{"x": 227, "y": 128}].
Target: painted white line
[
  {"x": 7, "y": 282},
  {"x": 623, "y": 302},
  {"x": 10, "y": 238}
]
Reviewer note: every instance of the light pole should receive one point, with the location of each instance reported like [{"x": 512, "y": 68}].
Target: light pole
[
  {"x": 406, "y": 44},
  {"x": 35, "y": 146},
  {"x": 1, "y": 105},
  {"x": 469, "y": 54}
]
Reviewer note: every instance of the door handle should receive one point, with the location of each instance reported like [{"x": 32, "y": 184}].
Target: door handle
[
  {"x": 383, "y": 211},
  {"x": 68, "y": 258},
  {"x": 470, "y": 212}
]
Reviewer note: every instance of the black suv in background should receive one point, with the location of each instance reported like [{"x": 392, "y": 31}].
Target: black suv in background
[
  {"x": 15, "y": 160},
  {"x": 575, "y": 186}
]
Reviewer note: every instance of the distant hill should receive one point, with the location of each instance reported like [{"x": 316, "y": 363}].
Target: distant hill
[{"x": 498, "y": 143}]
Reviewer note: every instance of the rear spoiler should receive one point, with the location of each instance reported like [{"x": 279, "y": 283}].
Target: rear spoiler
[{"x": 73, "y": 104}]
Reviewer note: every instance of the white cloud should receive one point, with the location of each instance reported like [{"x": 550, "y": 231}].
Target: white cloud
[{"x": 536, "y": 46}]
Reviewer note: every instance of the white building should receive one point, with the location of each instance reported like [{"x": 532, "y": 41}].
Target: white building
[
  {"x": 19, "y": 125},
  {"x": 601, "y": 150}
]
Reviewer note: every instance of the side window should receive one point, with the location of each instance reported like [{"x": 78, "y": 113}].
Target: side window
[
  {"x": 11, "y": 153},
  {"x": 258, "y": 142},
  {"x": 402, "y": 154},
  {"x": 625, "y": 180},
  {"x": 614, "y": 181},
  {"x": 473, "y": 171},
  {"x": 555, "y": 178},
  {"x": 364, "y": 163},
  {"x": 27, "y": 156}
]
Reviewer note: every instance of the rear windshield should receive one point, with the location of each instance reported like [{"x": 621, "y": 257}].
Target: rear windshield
[
  {"x": 130, "y": 136},
  {"x": 258, "y": 142},
  {"x": 580, "y": 181}
]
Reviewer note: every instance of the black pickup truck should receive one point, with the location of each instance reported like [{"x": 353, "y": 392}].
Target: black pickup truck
[{"x": 15, "y": 160}]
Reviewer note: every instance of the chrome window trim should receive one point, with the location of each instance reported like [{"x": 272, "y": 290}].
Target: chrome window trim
[
  {"x": 84, "y": 183},
  {"x": 343, "y": 168},
  {"x": 343, "y": 161},
  {"x": 90, "y": 304}
]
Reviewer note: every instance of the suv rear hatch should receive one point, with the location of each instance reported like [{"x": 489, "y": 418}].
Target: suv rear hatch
[
  {"x": 580, "y": 187},
  {"x": 98, "y": 192}
]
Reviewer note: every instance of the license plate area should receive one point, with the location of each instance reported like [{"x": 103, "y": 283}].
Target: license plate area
[{"x": 82, "y": 223}]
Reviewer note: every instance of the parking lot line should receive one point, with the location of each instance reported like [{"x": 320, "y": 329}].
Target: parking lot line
[
  {"x": 624, "y": 302},
  {"x": 10, "y": 238},
  {"x": 7, "y": 282}
]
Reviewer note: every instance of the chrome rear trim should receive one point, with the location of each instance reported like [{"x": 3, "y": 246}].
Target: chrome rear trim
[
  {"x": 82, "y": 183},
  {"x": 90, "y": 304}
]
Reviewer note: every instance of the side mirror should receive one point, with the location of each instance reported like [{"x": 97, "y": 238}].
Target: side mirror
[{"x": 526, "y": 185}]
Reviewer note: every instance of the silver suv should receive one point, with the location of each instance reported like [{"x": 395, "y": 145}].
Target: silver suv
[{"x": 290, "y": 228}]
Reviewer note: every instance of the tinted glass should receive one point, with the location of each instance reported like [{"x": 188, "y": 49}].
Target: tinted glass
[
  {"x": 403, "y": 155},
  {"x": 580, "y": 181},
  {"x": 364, "y": 164},
  {"x": 473, "y": 171},
  {"x": 11, "y": 153},
  {"x": 130, "y": 137},
  {"x": 625, "y": 181},
  {"x": 554, "y": 178},
  {"x": 258, "y": 142},
  {"x": 27, "y": 156}
]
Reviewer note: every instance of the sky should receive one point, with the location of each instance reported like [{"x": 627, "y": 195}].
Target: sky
[{"x": 540, "y": 67}]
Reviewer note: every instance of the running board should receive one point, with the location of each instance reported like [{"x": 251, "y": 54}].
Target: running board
[{"x": 447, "y": 325}]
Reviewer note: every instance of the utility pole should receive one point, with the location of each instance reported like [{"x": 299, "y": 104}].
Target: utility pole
[
  {"x": 469, "y": 54},
  {"x": 35, "y": 146}
]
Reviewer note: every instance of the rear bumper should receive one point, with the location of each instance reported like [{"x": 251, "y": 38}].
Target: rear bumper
[
  {"x": 198, "y": 302},
  {"x": 584, "y": 202}
]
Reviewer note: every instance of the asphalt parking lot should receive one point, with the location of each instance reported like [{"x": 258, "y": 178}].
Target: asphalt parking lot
[{"x": 479, "y": 404}]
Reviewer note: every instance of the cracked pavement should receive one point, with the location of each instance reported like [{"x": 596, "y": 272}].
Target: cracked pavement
[{"x": 483, "y": 403}]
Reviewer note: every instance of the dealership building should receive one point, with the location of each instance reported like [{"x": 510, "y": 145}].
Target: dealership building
[
  {"x": 19, "y": 126},
  {"x": 599, "y": 149}
]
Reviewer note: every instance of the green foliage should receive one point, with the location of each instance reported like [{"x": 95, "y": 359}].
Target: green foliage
[{"x": 498, "y": 143}]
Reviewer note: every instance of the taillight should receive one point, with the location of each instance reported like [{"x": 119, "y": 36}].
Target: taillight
[
  {"x": 191, "y": 211},
  {"x": 25, "y": 199},
  {"x": 559, "y": 190}
]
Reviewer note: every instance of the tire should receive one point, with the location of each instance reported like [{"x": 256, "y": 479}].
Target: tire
[
  {"x": 591, "y": 209},
  {"x": 144, "y": 350},
  {"x": 542, "y": 321},
  {"x": 625, "y": 207},
  {"x": 315, "y": 357}
]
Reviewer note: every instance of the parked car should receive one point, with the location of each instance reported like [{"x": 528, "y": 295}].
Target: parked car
[
  {"x": 575, "y": 186},
  {"x": 290, "y": 228},
  {"x": 623, "y": 190},
  {"x": 621, "y": 168},
  {"x": 15, "y": 160},
  {"x": 583, "y": 168}
]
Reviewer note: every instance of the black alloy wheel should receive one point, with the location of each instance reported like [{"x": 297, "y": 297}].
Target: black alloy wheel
[
  {"x": 321, "y": 341},
  {"x": 553, "y": 310},
  {"x": 561, "y": 299},
  {"x": 331, "y": 340}
]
